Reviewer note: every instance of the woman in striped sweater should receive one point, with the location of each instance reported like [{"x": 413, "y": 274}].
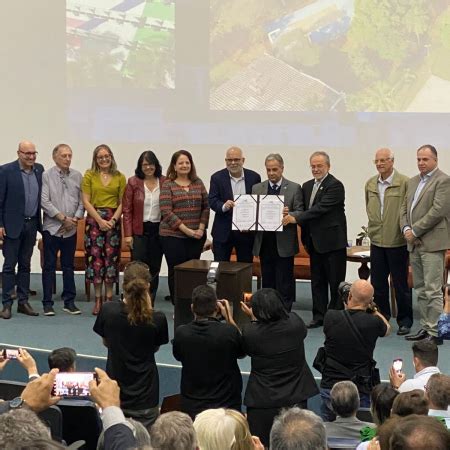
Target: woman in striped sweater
[{"x": 184, "y": 209}]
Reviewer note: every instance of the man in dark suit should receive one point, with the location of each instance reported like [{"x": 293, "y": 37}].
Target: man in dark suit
[
  {"x": 276, "y": 249},
  {"x": 224, "y": 185},
  {"x": 20, "y": 219},
  {"x": 324, "y": 235}
]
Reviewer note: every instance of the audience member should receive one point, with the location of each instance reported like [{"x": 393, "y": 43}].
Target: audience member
[
  {"x": 224, "y": 429},
  {"x": 117, "y": 433},
  {"x": 382, "y": 397},
  {"x": 20, "y": 220},
  {"x": 437, "y": 392},
  {"x": 63, "y": 207},
  {"x": 444, "y": 318},
  {"x": 102, "y": 190},
  {"x": 208, "y": 350},
  {"x": 133, "y": 332},
  {"x": 140, "y": 433},
  {"x": 173, "y": 430},
  {"x": 411, "y": 402},
  {"x": 345, "y": 404},
  {"x": 142, "y": 216},
  {"x": 298, "y": 429},
  {"x": 419, "y": 433},
  {"x": 350, "y": 339},
  {"x": 63, "y": 358},
  {"x": 425, "y": 359},
  {"x": 243, "y": 440},
  {"x": 280, "y": 376},
  {"x": 23, "y": 425},
  {"x": 28, "y": 363}
]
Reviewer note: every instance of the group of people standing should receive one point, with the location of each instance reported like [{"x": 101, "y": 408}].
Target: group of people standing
[{"x": 408, "y": 219}]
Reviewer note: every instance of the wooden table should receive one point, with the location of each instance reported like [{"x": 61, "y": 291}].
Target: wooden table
[{"x": 364, "y": 269}]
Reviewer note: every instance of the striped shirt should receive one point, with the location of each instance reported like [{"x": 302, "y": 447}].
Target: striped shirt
[{"x": 179, "y": 206}]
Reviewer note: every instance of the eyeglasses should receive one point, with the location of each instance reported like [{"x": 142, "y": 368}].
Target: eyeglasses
[
  {"x": 147, "y": 166},
  {"x": 318, "y": 166},
  {"x": 103, "y": 158},
  {"x": 233, "y": 160},
  {"x": 381, "y": 161},
  {"x": 29, "y": 154}
]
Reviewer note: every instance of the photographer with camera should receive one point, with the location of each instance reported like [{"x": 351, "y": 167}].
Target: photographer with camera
[
  {"x": 350, "y": 339},
  {"x": 208, "y": 350}
]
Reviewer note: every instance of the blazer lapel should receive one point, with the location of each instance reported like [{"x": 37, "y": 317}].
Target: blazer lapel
[{"x": 427, "y": 186}]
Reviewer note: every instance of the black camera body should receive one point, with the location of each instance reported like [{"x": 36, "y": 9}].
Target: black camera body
[{"x": 344, "y": 291}]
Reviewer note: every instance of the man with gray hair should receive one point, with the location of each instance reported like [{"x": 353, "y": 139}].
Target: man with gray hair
[
  {"x": 384, "y": 195},
  {"x": 344, "y": 398},
  {"x": 324, "y": 235},
  {"x": 276, "y": 249},
  {"x": 173, "y": 430},
  {"x": 298, "y": 429},
  {"x": 63, "y": 206}
]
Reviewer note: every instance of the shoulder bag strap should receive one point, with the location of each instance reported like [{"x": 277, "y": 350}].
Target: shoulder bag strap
[{"x": 356, "y": 333}]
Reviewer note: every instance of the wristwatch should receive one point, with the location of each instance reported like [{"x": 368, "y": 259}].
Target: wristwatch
[{"x": 17, "y": 403}]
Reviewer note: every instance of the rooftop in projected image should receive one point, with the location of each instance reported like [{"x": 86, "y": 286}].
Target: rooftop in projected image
[{"x": 269, "y": 84}]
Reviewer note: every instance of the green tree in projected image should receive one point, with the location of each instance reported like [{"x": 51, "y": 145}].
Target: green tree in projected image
[
  {"x": 380, "y": 55},
  {"x": 386, "y": 40}
]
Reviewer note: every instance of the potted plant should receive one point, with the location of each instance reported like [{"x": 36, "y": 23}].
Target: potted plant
[{"x": 363, "y": 236}]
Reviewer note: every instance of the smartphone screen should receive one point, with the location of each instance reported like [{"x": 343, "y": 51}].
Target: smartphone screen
[
  {"x": 9, "y": 353},
  {"x": 398, "y": 364},
  {"x": 73, "y": 384},
  {"x": 247, "y": 298}
]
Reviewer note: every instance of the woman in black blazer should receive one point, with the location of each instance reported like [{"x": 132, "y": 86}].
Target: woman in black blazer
[{"x": 280, "y": 376}]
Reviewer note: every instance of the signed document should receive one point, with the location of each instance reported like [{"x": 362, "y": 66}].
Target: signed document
[
  {"x": 244, "y": 212},
  {"x": 270, "y": 212}
]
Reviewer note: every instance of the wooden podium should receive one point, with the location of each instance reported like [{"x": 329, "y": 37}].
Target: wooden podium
[{"x": 234, "y": 278}]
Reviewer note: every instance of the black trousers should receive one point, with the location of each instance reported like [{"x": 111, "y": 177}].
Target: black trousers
[
  {"x": 242, "y": 242},
  {"x": 260, "y": 421},
  {"x": 327, "y": 271},
  {"x": 18, "y": 252},
  {"x": 393, "y": 261},
  {"x": 147, "y": 248},
  {"x": 177, "y": 251},
  {"x": 278, "y": 273}
]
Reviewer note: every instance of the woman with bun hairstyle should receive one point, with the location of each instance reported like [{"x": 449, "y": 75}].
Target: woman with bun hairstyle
[{"x": 133, "y": 332}]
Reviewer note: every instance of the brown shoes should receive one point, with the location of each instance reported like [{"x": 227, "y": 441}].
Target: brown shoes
[
  {"x": 6, "y": 313},
  {"x": 25, "y": 308}
]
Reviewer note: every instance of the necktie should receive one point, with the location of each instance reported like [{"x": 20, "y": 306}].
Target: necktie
[{"x": 314, "y": 192}]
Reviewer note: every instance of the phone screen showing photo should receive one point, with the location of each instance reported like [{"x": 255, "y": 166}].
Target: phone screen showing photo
[
  {"x": 10, "y": 353},
  {"x": 398, "y": 364},
  {"x": 73, "y": 384}
]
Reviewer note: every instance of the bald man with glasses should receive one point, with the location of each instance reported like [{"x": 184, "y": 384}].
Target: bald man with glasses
[{"x": 20, "y": 220}]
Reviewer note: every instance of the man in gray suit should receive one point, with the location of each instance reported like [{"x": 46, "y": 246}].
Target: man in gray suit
[
  {"x": 424, "y": 221},
  {"x": 276, "y": 249}
]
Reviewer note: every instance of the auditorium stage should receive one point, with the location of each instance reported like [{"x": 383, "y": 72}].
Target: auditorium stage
[{"x": 46, "y": 333}]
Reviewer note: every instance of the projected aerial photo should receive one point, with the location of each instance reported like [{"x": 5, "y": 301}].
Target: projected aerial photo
[
  {"x": 120, "y": 43},
  {"x": 330, "y": 55}
]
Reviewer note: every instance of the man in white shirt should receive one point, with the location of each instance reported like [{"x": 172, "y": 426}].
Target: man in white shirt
[
  {"x": 437, "y": 393},
  {"x": 425, "y": 361}
]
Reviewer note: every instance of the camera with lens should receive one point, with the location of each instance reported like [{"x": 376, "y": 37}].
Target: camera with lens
[{"x": 344, "y": 291}]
